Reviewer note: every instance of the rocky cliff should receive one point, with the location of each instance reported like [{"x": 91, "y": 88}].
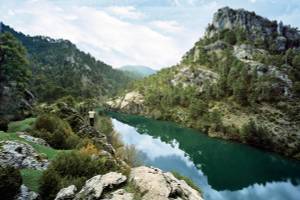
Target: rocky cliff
[
  {"x": 241, "y": 81},
  {"x": 257, "y": 27}
]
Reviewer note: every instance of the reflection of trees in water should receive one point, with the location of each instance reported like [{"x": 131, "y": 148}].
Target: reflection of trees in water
[{"x": 227, "y": 165}]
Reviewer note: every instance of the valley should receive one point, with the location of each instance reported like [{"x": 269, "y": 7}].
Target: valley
[{"x": 221, "y": 124}]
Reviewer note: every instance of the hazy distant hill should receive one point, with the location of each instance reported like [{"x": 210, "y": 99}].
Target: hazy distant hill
[{"x": 138, "y": 70}]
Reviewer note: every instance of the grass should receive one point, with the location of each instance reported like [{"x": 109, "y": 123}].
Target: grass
[
  {"x": 31, "y": 178},
  {"x": 21, "y": 126}
]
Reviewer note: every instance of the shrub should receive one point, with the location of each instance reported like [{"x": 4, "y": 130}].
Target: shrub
[
  {"x": 89, "y": 149},
  {"x": 130, "y": 155},
  {"x": 104, "y": 125},
  {"x": 55, "y": 131},
  {"x": 10, "y": 183},
  {"x": 72, "y": 168},
  {"x": 50, "y": 184},
  {"x": 3, "y": 124}
]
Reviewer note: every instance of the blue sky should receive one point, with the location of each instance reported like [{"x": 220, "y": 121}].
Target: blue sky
[{"x": 154, "y": 33}]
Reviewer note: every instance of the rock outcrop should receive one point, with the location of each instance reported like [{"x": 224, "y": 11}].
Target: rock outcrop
[
  {"x": 148, "y": 183},
  {"x": 156, "y": 184},
  {"x": 95, "y": 186},
  {"x": 257, "y": 27},
  {"x": 21, "y": 155},
  {"x": 132, "y": 102},
  {"x": 67, "y": 193}
]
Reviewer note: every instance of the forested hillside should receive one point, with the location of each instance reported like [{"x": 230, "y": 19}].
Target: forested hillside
[
  {"x": 59, "y": 68},
  {"x": 240, "y": 81}
]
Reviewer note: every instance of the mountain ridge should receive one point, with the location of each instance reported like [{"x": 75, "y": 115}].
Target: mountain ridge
[{"x": 61, "y": 69}]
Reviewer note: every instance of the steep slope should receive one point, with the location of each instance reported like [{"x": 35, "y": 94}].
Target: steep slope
[
  {"x": 241, "y": 82},
  {"x": 59, "y": 68},
  {"x": 138, "y": 71}
]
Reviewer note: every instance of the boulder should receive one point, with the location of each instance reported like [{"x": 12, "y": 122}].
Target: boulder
[
  {"x": 95, "y": 186},
  {"x": 67, "y": 193},
  {"x": 26, "y": 194},
  {"x": 21, "y": 155},
  {"x": 156, "y": 184}
]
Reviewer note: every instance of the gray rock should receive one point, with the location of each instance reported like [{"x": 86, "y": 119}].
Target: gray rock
[
  {"x": 280, "y": 43},
  {"x": 21, "y": 155},
  {"x": 120, "y": 194},
  {"x": 67, "y": 193},
  {"x": 94, "y": 187},
  {"x": 32, "y": 139},
  {"x": 156, "y": 184},
  {"x": 257, "y": 27},
  {"x": 26, "y": 194}
]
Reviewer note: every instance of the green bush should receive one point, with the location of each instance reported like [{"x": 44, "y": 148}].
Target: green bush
[
  {"x": 55, "y": 131},
  {"x": 10, "y": 183},
  {"x": 72, "y": 168}
]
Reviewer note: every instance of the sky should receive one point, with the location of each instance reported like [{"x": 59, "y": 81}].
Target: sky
[{"x": 154, "y": 33}]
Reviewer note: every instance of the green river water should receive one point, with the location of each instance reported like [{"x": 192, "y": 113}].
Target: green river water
[{"x": 222, "y": 169}]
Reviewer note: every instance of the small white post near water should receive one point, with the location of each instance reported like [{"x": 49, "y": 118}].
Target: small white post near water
[{"x": 92, "y": 117}]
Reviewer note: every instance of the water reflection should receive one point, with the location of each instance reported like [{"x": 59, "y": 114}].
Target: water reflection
[{"x": 223, "y": 170}]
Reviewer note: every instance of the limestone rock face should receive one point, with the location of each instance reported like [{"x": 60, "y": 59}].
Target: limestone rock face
[
  {"x": 257, "y": 27},
  {"x": 94, "y": 187},
  {"x": 132, "y": 103},
  {"x": 198, "y": 77},
  {"x": 156, "y": 184},
  {"x": 21, "y": 155},
  {"x": 67, "y": 193}
]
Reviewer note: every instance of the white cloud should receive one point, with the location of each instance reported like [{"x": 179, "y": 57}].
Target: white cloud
[
  {"x": 108, "y": 38},
  {"x": 126, "y": 12},
  {"x": 253, "y": 1},
  {"x": 167, "y": 26}
]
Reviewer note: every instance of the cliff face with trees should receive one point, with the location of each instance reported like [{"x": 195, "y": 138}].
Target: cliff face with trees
[{"x": 240, "y": 81}]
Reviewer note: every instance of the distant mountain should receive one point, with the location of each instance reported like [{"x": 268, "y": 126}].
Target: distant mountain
[
  {"x": 59, "y": 68},
  {"x": 138, "y": 70}
]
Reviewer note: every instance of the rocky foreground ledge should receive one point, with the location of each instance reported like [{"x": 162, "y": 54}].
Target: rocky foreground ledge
[{"x": 148, "y": 183}]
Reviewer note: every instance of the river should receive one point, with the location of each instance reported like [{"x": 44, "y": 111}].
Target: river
[{"x": 224, "y": 170}]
